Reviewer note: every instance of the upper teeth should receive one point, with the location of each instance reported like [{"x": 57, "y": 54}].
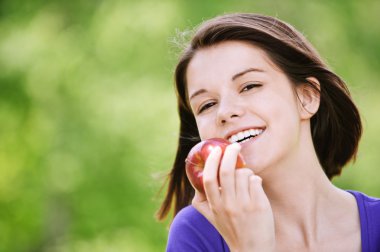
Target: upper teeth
[{"x": 245, "y": 134}]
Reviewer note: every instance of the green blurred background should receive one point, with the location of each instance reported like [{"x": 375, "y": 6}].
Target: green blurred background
[{"x": 88, "y": 114}]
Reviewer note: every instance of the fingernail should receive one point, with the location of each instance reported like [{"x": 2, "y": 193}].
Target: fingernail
[
  {"x": 236, "y": 145},
  {"x": 218, "y": 149}
]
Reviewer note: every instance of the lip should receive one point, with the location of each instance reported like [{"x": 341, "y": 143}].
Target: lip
[{"x": 229, "y": 134}]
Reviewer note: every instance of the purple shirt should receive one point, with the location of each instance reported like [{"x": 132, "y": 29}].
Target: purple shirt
[
  {"x": 191, "y": 231},
  {"x": 369, "y": 211}
]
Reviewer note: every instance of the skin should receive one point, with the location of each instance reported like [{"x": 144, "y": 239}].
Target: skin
[{"x": 282, "y": 201}]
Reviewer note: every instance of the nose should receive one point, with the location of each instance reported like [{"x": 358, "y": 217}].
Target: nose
[{"x": 229, "y": 111}]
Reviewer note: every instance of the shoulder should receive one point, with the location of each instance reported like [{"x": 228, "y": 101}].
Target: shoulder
[
  {"x": 369, "y": 210},
  {"x": 370, "y": 207},
  {"x": 370, "y": 203},
  {"x": 191, "y": 231}
]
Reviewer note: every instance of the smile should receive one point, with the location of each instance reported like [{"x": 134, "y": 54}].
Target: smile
[{"x": 245, "y": 135}]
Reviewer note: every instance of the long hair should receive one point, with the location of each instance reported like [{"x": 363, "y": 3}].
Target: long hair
[{"x": 336, "y": 127}]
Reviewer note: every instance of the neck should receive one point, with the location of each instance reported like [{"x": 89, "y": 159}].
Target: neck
[
  {"x": 296, "y": 180},
  {"x": 302, "y": 197}
]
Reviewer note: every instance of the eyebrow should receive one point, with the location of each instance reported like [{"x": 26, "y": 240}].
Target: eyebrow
[
  {"x": 201, "y": 91},
  {"x": 251, "y": 69}
]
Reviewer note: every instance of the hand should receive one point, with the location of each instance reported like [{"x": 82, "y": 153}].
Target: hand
[{"x": 239, "y": 209}]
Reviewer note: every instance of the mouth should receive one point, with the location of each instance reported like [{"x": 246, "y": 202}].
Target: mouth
[{"x": 245, "y": 135}]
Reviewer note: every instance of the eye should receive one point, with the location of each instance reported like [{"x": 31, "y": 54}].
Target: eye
[
  {"x": 249, "y": 86},
  {"x": 206, "y": 106}
]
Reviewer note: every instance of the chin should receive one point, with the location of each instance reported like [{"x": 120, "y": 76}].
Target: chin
[
  {"x": 255, "y": 165},
  {"x": 259, "y": 163}
]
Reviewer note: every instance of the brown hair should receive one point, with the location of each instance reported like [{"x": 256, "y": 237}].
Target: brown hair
[{"x": 336, "y": 127}]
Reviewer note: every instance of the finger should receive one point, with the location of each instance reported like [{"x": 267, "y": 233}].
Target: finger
[
  {"x": 210, "y": 176},
  {"x": 227, "y": 172},
  {"x": 242, "y": 185}
]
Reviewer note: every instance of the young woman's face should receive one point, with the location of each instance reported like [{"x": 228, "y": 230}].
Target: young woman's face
[{"x": 236, "y": 92}]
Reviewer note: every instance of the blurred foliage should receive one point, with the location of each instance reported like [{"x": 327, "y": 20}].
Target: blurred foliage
[{"x": 88, "y": 116}]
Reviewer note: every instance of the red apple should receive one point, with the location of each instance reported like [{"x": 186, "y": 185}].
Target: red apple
[{"x": 197, "y": 156}]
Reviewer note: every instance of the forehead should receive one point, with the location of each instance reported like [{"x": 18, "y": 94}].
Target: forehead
[{"x": 221, "y": 61}]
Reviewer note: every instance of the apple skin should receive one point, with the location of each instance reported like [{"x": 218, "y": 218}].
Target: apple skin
[{"x": 197, "y": 156}]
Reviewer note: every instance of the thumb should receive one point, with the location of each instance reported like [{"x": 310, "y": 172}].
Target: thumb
[
  {"x": 200, "y": 203},
  {"x": 199, "y": 196}
]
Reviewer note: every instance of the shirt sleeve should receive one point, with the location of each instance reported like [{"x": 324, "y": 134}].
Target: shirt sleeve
[
  {"x": 369, "y": 211},
  {"x": 191, "y": 231},
  {"x": 372, "y": 206}
]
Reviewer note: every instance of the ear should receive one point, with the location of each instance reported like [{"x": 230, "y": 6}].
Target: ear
[{"x": 309, "y": 98}]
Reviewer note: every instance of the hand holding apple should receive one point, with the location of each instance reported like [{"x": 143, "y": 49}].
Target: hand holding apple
[
  {"x": 241, "y": 211},
  {"x": 197, "y": 156}
]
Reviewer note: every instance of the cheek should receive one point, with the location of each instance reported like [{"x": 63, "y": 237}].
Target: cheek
[
  {"x": 205, "y": 128},
  {"x": 283, "y": 117},
  {"x": 287, "y": 121},
  {"x": 283, "y": 106}
]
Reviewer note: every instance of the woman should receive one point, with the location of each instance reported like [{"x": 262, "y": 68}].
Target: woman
[{"x": 257, "y": 82}]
